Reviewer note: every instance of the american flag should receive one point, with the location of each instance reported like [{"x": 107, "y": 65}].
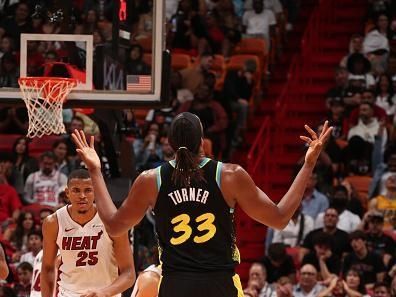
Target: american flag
[{"x": 139, "y": 83}]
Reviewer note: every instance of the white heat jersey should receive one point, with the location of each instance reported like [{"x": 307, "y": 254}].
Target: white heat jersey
[
  {"x": 151, "y": 268},
  {"x": 35, "y": 290},
  {"x": 87, "y": 256}
]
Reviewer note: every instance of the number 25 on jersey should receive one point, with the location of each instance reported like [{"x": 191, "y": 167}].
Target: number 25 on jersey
[{"x": 181, "y": 225}]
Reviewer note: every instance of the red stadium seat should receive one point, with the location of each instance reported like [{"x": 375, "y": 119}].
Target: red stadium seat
[
  {"x": 7, "y": 141},
  {"x": 180, "y": 61},
  {"x": 43, "y": 144}
]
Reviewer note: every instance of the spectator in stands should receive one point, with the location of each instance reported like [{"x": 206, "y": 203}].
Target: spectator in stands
[
  {"x": 340, "y": 238},
  {"x": 194, "y": 77},
  {"x": 336, "y": 117},
  {"x": 353, "y": 284},
  {"x": 90, "y": 23},
  {"x": 63, "y": 164},
  {"x": 346, "y": 220},
  {"x": 376, "y": 44},
  {"x": 367, "y": 95},
  {"x": 259, "y": 22},
  {"x": 322, "y": 257},
  {"x": 44, "y": 212},
  {"x": 361, "y": 137},
  {"x": 23, "y": 286},
  {"x": 284, "y": 287},
  {"x": 378, "y": 242},
  {"x": 237, "y": 91},
  {"x": 35, "y": 244},
  {"x": 384, "y": 95},
  {"x": 9, "y": 72},
  {"x": 355, "y": 46},
  {"x": 386, "y": 204},
  {"x": 24, "y": 164},
  {"x": 212, "y": 115},
  {"x": 188, "y": 30},
  {"x": 341, "y": 85},
  {"x": 338, "y": 288},
  {"x": 369, "y": 263},
  {"x": 279, "y": 263},
  {"x": 145, "y": 25},
  {"x": 294, "y": 233},
  {"x": 44, "y": 185},
  {"x": 359, "y": 68},
  {"x": 10, "y": 203},
  {"x": 15, "y": 25},
  {"x": 148, "y": 148},
  {"x": 230, "y": 24},
  {"x": 6, "y": 45},
  {"x": 18, "y": 235},
  {"x": 134, "y": 62},
  {"x": 76, "y": 123},
  {"x": 381, "y": 289},
  {"x": 384, "y": 165},
  {"x": 13, "y": 120},
  {"x": 308, "y": 284},
  {"x": 258, "y": 273},
  {"x": 314, "y": 202}
]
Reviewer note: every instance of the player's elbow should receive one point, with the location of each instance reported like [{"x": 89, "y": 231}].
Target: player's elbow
[
  {"x": 130, "y": 276},
  {"x": 280, "y": 223}
]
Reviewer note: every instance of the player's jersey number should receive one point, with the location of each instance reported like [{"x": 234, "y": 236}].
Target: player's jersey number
[
  {"x": 87, "y": 258},
  {"x": 181, "y": 225}
]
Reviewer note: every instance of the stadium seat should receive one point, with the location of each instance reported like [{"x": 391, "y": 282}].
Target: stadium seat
[
  {"x": 237, "y": 62},
  {"x": 254, "y": 46},
  {"x": 43, "y": 144},
  {"x": 7, "y": 141},
  {"x": 361, "y": 185},
  {"x": 180, "y": 61}
]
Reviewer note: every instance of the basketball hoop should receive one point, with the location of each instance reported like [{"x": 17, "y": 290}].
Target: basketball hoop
[{"x": 44, "y": 97}]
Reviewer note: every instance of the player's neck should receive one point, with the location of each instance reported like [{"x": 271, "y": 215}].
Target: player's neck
[{"x": 82, "y": 218}]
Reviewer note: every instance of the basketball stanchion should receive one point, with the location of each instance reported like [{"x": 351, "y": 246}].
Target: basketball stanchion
[{"x": 44, "y": 98}]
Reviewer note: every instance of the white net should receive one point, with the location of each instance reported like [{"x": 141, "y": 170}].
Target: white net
[{"x": 44, "y": 97}]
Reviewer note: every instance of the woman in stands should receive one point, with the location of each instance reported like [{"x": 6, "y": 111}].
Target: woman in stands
[
  {"x": 384, "y": 95},
  {"x": 65, "y": 166},
  {"x": 18, "y": 235},
  {"x": 24, "y": 164}
]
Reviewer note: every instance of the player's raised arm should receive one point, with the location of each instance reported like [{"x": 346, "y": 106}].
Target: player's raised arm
[
  {"x": 239, "y": 186},
  {"x": 3, "y": 264},
  {"x": 142, "y": 194},
  {"x": 50, "y": 250},
  {"x": 127, "y": 276}
]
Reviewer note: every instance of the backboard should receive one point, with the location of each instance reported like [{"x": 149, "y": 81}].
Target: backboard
[{"x": 100, "y": 47}]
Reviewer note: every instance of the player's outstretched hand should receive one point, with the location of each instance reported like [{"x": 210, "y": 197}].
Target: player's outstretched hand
[
  {"x": 94, "y": 293},
  {"x": 86, "y": 151},
  {"x": 315, "y": 143}
]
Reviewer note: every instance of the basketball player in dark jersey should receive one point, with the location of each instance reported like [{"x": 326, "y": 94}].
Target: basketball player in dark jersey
[{"x": 193, "y": 199}]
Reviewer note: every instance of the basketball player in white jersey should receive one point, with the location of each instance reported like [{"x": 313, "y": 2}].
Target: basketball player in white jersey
[
  {"x": 92, "y": 263},
  {"x": 147, "y": 284},
  {"x": 35, "y": 290}
]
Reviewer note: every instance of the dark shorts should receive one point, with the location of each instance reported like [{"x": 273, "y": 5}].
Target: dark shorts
[{"x": 209, "y": 284}]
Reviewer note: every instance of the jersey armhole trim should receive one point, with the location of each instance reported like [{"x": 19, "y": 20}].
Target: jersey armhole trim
[
  {"x": 159, "y": 180},
  {"x": 218, "y": 173}
]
